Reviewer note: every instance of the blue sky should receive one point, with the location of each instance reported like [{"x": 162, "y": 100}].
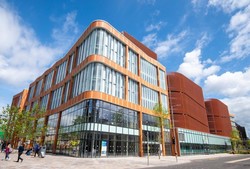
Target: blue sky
[{"x": 206, "y": 40}]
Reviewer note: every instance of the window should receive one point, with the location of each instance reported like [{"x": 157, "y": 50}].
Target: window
[
  {"x": 133, "y": 91},
  {"x": 148, "y": 72},
  {"x": 48, "y": 80},
  {"x": 102, "y": 43},
  {"x": 133, "y": 62},
  {"x": 56, "y": 98},
  {"x": 149, "y": 97},
  {"x": 99, "y": 77}
]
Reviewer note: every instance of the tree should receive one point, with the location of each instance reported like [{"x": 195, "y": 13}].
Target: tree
[
  {"x": 23, "y": 124},
  {"x": 248, "y": 144},
  {"x": 162, "y": 123},
  {"x": 235, "y": 140}
]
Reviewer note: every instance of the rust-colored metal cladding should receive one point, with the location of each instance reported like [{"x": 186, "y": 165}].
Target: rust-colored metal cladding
[
  {"x": 187, "y": 103},
  {"x": 19, "y": 99},
  {"x": 218, "y": 117}
]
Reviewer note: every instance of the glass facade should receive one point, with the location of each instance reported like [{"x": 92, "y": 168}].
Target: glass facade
[
  {"x": 101, "y": 42},
  {"x": 84, "y": 126},
  {"x": 151, "y": 128},
  {"x": 51, "y": 131},
  {"x": 48, "y": 80},
  {"x": 194, "y": 142},
  {"x": 98, "y": 77},
  {"x": 148, "y": 72},
  {"x": 164, "y": 102},
  {"x": 133, "y": 89},
  {"x": 61, "y": 72},
  {"x": 133, "y": 62},
  {"x": 71, "y": 60},
  {"x": 32, "y": 89},
  {"x": 149, "y": 97},
  {"x": 56, "y": 98},
  {"x": 163, "y": 80},
  {"x": 44, "y": 102},
  {"x": 39, "y": 87}
]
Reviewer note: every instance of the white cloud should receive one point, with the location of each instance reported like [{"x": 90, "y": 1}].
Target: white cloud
[
  {"x": 193, "y": 68},
  {"x": 229, "y": 5},
  {"x": 203, "y": 41},
  {"x": 170, "y": 45},
  {"x": 150, "y": 40},
  {"x": 235, "y": 90},
  {"x": 229, "y": 84},
  {"x": 238, "y": 29},
  {"x": 22, "y": 56},
  {"x": 239, "y": 106},
  {"x": 156, "y": 26}
]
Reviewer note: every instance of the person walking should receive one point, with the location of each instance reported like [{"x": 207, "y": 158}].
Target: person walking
[
  {"x": 36, "y": 149},
  {"x": 7, "y": 151},
  {"x": 20, "y": 152}
]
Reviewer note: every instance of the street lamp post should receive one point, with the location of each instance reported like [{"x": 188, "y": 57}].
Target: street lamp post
[{"x": 174, "y": 139}]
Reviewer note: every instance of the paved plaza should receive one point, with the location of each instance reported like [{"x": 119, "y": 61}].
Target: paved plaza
[{"x": 64, "y": 162}]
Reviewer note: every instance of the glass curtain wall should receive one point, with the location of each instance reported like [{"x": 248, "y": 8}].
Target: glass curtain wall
[
  {"x": 51, "y": 131},
  {"x": 149, "y": 97},
  {"x": 48, "y": 80},
  {"x": 133, "y": 89},
  {"x": 133, "y": 62},
  {"x": 194, "y": 142},
  {"x": 101, "y": 42},
  {"x": 84, "y": 126},
  {"x": 148, "y": 72},
  {"x": 98, "y": 77}
]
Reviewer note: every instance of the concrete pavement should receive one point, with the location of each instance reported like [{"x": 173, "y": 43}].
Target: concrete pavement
[{"x": 64, "y": 162}]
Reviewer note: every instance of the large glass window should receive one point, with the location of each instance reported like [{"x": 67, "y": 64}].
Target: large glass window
[
  {"x": 71, "y": 60},
  {"x": 148, "y": 72},
  {"x": 31, "y": 94},
  {"x": 102, "y": 43},
  {"x": 84, "y": 126},
  {"x": 61, "y": 72},
  {"x": 44, "y": 102},
  {"x": 51, "y": 131},
  {"x": 48, "y": 80},
  {"x": 56, "y": 98},
  {"x": 133, "y": 91},
  {"x": 39, "y": 87},
  {"x": 149, "y": 97},
  {"x": 163, "y": 80},
  {"x": 164, "y": 101},
  {"x": 66, "y": 92},
  {"x": 99, "y": 77},
  {"x": 133, "y": 62}
]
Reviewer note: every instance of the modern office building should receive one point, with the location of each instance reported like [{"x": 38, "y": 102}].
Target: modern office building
[
  {"x": 218, "y": 117},
  {"x": 99, "y": 100},
  {"x": 187, "y": 103},
  {"x": 99, "y": 97}
]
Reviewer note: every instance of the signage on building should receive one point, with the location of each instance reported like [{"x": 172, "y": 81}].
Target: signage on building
[{"x": 104, "y": 148}]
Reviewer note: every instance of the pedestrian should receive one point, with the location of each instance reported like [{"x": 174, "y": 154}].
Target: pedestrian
[
  {"x": 3, "y": 146},
  {"x": 36, "y": 149},
  {"x": 20, "y": 152},
  {"x": 7, "y": 151}
]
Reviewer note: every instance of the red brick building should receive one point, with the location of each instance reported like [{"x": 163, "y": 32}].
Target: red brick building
[
  {"x": 218, "y": 117},
  {"x": 187, "y": 102}
]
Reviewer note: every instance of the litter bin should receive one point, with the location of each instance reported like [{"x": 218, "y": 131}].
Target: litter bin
[{"x": 42, "y": 151}]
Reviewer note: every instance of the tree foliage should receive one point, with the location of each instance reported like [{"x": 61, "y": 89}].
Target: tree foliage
[
  {"x": 235, "y": 140},
  {"x": 18, "y": 124}
]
